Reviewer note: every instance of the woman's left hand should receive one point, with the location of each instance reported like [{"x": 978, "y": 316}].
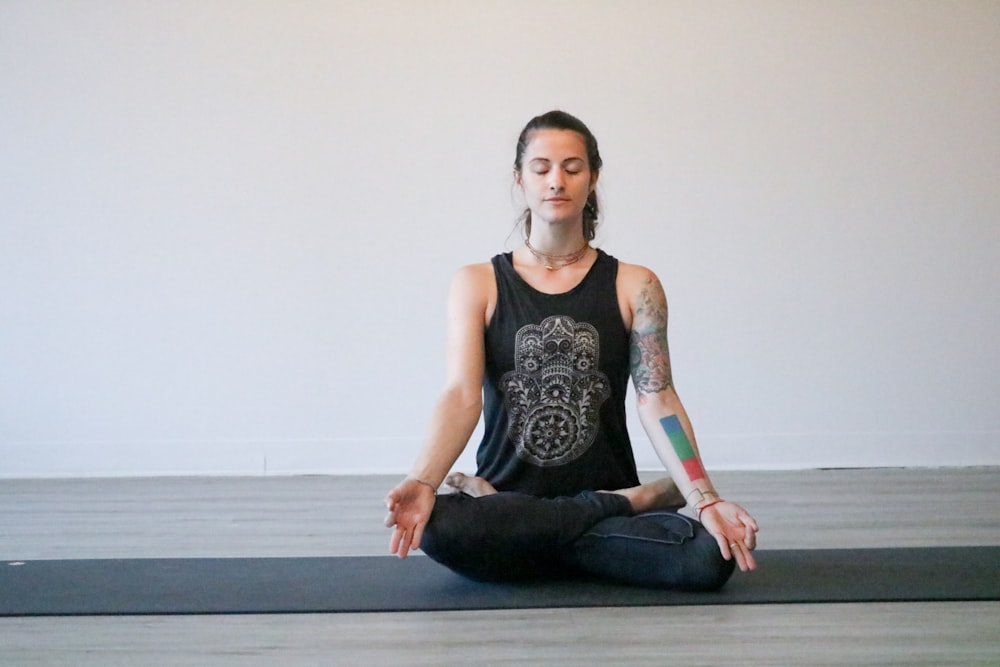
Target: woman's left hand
[{"x": 735, "y": 531}]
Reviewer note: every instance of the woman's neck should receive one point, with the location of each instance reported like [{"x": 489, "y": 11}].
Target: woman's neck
[
  {"x": 556, "y": 241},
  {"x": 555, "y": 252}
]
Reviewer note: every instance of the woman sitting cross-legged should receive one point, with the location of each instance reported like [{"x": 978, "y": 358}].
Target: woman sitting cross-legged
[{"x": 542, "y": 341}]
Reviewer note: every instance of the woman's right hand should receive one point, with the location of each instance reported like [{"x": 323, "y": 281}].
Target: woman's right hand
[{"x": 409, "y": 504}]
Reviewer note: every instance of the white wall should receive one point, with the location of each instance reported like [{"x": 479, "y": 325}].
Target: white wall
[{"x": 227, "y": 227}]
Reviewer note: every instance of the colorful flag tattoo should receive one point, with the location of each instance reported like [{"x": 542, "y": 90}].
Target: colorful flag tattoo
[{"x": 678, "y": 438}]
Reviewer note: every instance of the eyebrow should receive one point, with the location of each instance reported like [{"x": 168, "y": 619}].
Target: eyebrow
[{"x": 545, "y": 159}]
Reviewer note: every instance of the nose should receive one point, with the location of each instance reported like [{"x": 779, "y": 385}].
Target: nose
[{"x": 556, "y": 180}]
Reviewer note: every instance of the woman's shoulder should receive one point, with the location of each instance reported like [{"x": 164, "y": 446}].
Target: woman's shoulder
[
  {"x": 475, "y": 279},
  {"x": 474, "y": 290},
  {"x": 635, "y": 275},
  {"x": 476, "y": 272}
]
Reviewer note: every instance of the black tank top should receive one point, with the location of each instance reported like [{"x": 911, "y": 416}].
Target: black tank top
[{"x": 554, "y": 391}]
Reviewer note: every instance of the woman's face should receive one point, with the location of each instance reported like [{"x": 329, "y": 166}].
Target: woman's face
[{"x": 555, "y": 176}]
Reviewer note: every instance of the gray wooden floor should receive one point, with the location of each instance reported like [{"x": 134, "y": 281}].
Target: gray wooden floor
[{"x": 303, "y": 516}]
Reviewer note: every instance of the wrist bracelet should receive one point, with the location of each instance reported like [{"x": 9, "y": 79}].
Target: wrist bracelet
[
  {"x": 702, "y": 496},
  {"x": 422, "y": 481},
  {"x": 707, "y": 505}
]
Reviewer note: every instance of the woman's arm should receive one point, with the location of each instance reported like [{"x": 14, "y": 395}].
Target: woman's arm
[
  {"x": 456, "y": 412},
  {"x": 666, "y": 423}
]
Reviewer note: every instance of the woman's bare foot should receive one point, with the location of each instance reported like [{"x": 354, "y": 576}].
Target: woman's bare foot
[
  {"x": 660, "y": 494},
  {"x": 470, "y": 486}
]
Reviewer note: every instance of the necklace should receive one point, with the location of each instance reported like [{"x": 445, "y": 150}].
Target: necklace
[{"x": 556, "y": 262}]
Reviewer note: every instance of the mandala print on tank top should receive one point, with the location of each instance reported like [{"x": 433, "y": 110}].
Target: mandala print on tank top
[{"x": 555, "y": 392}]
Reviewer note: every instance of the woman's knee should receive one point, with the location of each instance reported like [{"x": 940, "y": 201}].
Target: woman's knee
[
  {"x": 458, "y": 538},
  {"x": 661, "y": 549},
  {"x": 706, "y": 569},
  {"x": 446, "y": 535},
  {"x": 700, "y": 565}
]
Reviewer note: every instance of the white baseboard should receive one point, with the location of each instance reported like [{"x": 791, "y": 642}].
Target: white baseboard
[{"x": 366, "y": 456}]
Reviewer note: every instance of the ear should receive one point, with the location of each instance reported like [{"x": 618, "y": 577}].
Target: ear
[
  {"x": 593, "y": 180},
  {"x": 517, "y": 179}
]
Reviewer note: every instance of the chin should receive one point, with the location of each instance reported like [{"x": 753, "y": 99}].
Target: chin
[{"x": 561, "y": 220}]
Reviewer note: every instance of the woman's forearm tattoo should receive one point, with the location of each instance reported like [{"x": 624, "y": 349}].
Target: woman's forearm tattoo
[
  {"x": 649, "y": 354},
  {"x": 683, "y": 448}
]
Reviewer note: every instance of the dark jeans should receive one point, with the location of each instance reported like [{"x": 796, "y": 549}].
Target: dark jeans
[{"x": 513, "y": 536}]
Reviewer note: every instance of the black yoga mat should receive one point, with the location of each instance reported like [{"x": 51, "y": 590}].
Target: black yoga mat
[{"x": 384, "y": 583}]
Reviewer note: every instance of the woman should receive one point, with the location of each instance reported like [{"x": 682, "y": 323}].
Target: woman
[{"x": 542, "y": 341}]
